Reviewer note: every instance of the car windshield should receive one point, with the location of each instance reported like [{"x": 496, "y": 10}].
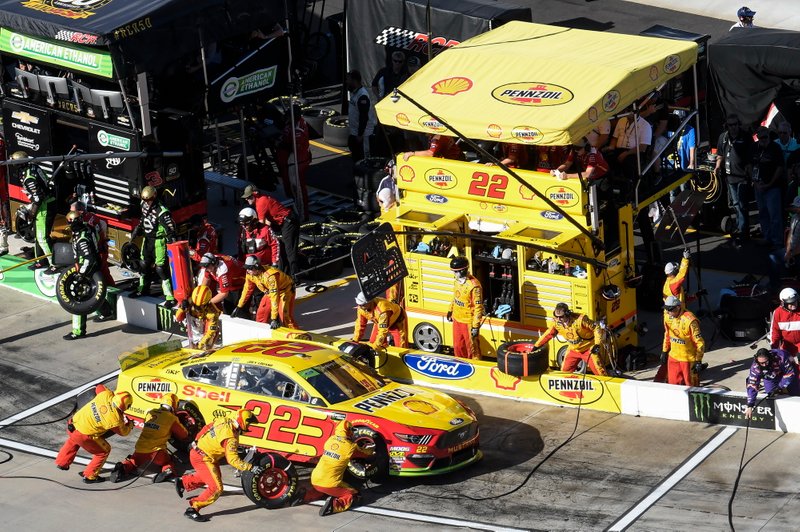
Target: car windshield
[{"x": 339, "y": 380}]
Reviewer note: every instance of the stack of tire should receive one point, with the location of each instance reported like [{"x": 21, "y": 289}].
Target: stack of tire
[
  {"x": 335, "y": 131},
  {"x": 520, "y": 358},
  {"x": 744, "y": 315},
  {"x": 368, "y": 174},
  {"x": 315, "y": 255},
  {"x": 315, "y": 117}
]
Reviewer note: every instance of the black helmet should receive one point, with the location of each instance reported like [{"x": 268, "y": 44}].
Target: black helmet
[
  {"x": 562, "y": 309},
  {"x": 458, "y": 264}
]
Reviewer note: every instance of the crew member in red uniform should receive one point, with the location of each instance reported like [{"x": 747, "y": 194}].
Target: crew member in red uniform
[
  {"x": 389, "y": 319},
  {"x": 586, "y": 160},
  {"x": 282, "y": 220},
  {"x": 683, "y": 346},
  {"x": 216, "y": 441},
  {"x": 257, "y": 239},
  {"x": 160, "y": 424},
  {"x": 785, "y": 328},
  {"x": 99, "y": 229},
  {"x": 277, "y": 305},
  {"x": 466, "y": 310},
  {"x": 88, "y": 427},
  {"x": 583, "y": 335},
  {"x": 442, "y": 146},
  {"x": 205, "y": 238},
  {"x": 225, "y": 273},
  {"x": 303, "y": 160}
]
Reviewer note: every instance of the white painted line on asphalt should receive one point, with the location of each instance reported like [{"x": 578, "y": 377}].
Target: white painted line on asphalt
[
  {"x": 55, "y": 400},
  {"x": 435, "y": 519},
  {"x": 687, "y": 467},
  {"x": 314, "y": 312}
]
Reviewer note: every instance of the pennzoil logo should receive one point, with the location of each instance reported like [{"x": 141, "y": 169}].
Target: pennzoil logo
[
  {"x": 452, "y": 86},
  {"x": 561, "y": 196},
  {"x": 610, "y": 101},
  {"x": 402, "y": 119},
  {"x": 73, "y": 9},
  {"x": 526, "y": 134},
  {"x": 532, "y": 93},
  {"x": 429, "y": 122},
  {"x": 494, "y": 131},
  {"x": 440, "y": 179},
  {"x": 672, "y": 63},
  {"x": 152, "y": 388},
  {"x": 572, "y": 389}
]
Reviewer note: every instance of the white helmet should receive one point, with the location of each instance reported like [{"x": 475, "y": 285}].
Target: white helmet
[
  {"x": 670, "y": 268},
  {"x": 788, "y": 295},
  {"x": 360, "y": 299},
  {"x": 247, "y": 215}
]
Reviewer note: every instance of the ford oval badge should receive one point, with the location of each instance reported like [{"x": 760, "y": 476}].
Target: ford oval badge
[
  {"x": 436, "y": 198},
  {"x": 552, "y": 215},
  {"x": 438, "y": 367}
]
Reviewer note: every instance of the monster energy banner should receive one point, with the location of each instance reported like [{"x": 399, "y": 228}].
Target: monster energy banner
[
  {"x": 729, "y": 410},
  {"x": 165, "y": 321}
]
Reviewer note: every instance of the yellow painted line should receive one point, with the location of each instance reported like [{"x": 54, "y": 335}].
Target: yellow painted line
[{"x": 329, "y": 148}]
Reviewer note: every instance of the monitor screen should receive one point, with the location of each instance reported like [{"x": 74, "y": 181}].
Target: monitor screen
[
  {"x": 27, "y": 81},
  {"x": 82, "y": 95},
  {"x": 56, "y": 87},
  {"x": 108, "y": 100}
]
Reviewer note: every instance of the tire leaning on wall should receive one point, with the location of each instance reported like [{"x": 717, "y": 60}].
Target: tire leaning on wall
[
  {"x": 78, "y": 293},
  {"x": 335, "y": 131}
]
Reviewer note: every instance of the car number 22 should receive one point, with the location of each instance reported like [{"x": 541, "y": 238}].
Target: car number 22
[{"x": 284, "y": 424}]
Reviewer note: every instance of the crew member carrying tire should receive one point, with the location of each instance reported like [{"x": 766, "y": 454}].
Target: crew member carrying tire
[
  {"x": 327, "y": 477},
  {"x": 160, "y": 425},
  {"x": 683, "y": 346},
  {"x": 216, "y": 441},
  {"x": 785, "y": 327},
  {"x": 277, "y": 304},
  {"x": 388, "y": 318},
  {"x": 201, "y": 308},
  {"x": 100, "y": 232},
  {"x": 87, "y": 261},
  {"x": 88, "y": 427},
  {"x": 583, "y": 335},
  {"x": 42, "y": 209},
  {"x": 159, "y": 229},
  {"x": 466, "y": 310}
]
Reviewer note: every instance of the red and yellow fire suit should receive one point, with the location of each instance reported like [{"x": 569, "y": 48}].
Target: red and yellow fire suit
[
  {"x": 389, "y": 318},
  {"x": 467, "y": 309},
  {"x": 151, "y": 447},
  {"x": 674, "y": 285},
  {"x": 785, "y": 330},
  {"x": 685, "y": 345},
  {"x": 217, "y": 440},
  {"x": 582, "y": 334},
  {"x": 278, "y": 300},
  {"x": 86, "y": 431},
  {"x": 326, "y": 478},
  {"x": 210, "y": 315}
]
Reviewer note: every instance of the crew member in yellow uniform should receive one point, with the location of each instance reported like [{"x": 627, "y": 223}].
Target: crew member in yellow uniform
[
  {"x": 216, "y": 441},
  {"x": 583, "y": 335},
  {"x": 326, "y": 479},
  {"x": 278, "y": 288},
  {"x": 683, "y": 344},
  {"x": 151, "y": 447},
  {"x": 466, "y": 310},
  {"x": 674, "y": 284},
  {"x": 202, "y": 308},
  {"x": 389, "y": 318},
  {"x": 87, "y": 430}
]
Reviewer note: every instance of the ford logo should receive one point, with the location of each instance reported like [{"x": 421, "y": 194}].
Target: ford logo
[
  {"x": 436, "y": 198},
  {"x": 552, "y": 215},
  {"x": 456, "y": 421},
  {"x": 438, "y": 367}
]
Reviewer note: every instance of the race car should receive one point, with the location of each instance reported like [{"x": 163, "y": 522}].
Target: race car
[{"x": 298, "y": 391}]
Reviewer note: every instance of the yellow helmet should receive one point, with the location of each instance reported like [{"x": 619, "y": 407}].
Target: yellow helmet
[
  {"x": 74, "y": 219},
  {"x": 122, "y": 401},
  {"x": 201, "y": 295},
  {"x": 244, "y": 418},
  {"x": 149, "y": 193},
  {"x": 170, "y": 400},
  {"x": 19, "y": 155}
]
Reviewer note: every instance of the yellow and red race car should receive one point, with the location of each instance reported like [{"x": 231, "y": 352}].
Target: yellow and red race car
[{"x": 298, "y": 391}]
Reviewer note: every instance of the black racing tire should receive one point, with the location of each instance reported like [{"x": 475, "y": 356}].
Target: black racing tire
[
  {"x": 276, "y": 487},
  {"x": 369, "y": 227},
  {"x": 375, "y": 467},
  {"x": 372, "y": 169},
  {"x": 79, "y": 294},
  {"x": 25, "y": 226},
  {"x": 131, "y": 257},
  {"x": 520, "y": 358},
  {"x": 347, "y": 220},
  {"x": 336, "y": 131},
  {"x": 317, "y": 233},
  {"x": 62, "y": 254},
  {"x": 427, "y": 337},
  {"x": 321, "y": 262},
  {"x": 562, "y": 354},
  {"x": 316, "y": 117},
  {"x": 344, "y": 240},
  {"x": 191, "y": 418},
  {"x": 283, "y": 102}
]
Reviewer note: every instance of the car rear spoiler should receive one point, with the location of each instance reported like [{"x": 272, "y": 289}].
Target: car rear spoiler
[{"x": 136, "y": 357}]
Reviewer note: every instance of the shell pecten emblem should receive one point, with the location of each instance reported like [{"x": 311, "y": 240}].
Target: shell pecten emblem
[
  {"x": 532, "y": 94},
  {"x": 419, "y": 406},
  {"x": 451, "y": 86}
]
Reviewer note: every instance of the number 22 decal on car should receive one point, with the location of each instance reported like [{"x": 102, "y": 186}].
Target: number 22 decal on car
[{"x": 288, "y": 426}]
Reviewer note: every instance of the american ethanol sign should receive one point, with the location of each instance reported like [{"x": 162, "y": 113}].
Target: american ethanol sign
[
  {"x": 256, "y": 81},
  {"x": 69, "y": 57}
]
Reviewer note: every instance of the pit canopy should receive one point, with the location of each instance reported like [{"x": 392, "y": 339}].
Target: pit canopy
[{"x": 535, "y": 84}]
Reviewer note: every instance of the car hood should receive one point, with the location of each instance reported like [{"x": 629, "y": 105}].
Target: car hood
[{"x": 411, "y": 405}]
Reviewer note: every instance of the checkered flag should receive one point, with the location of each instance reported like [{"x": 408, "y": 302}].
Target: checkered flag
[{"x": 395, "y": 37}]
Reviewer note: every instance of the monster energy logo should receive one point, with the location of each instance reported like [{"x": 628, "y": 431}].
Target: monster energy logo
[
  {"x": 729, "y": 410},
  {"x": 165, "y": 320}
]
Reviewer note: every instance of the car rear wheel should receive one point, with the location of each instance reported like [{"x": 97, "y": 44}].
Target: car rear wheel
[
  {"x": 276, "y": 487},
  {"x": 375, "y": 467},
  {"x": 562, "y": 354},
  {"x": 427, "y": 337}
]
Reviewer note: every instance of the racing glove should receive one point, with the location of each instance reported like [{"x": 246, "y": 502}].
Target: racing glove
[
  {"x": 474, "y": 332},
  {"x": 663, "y": 359},
  {"x": 698, "y": 367},
  {"x": 449, "y": 315},
  {"x": 257, "y": 470},
  {"x": 687, "y": 253},
  {"x": 274, "y": 324}
]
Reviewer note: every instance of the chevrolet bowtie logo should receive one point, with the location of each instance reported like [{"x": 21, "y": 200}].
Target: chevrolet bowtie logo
[{"x": 24, "y": 117}]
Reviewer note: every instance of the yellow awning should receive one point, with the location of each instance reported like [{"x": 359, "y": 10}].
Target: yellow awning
[{"x": 535, "y": 84}]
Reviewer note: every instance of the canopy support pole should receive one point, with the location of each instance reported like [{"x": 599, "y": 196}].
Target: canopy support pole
[
  {"x": 127, "y": 105},
  {"x": 205, "y": 71},
  {"x": 294, "y": 169},
  {"x": 243, "y": 133}
]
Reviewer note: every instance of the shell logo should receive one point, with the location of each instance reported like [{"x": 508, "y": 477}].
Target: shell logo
[
  {"x": 429, "y": 122},
  {"x": 440, "y": 179},
  {"x": 503, "y": 381},
  {"x": 672, "y": 63},
  {"x": 494, "y": 131},
  {"x": 402, "y": 119},
  {"x": 592, "y": 114},
  {"x": 653, "y": 73},
  {"x": 407, "y": 173},
  {"x": 420, "y": 407},
  {"x": 452, "y": 86},
  {"x": 532, "y": 94},
  {"x": 526, "y": 134},
  {"x": 526, "y": 193},
  {"x": 610, "y": 101},
  {"x": 561, "y": 196},
  {"x": 572, "y": 389}
]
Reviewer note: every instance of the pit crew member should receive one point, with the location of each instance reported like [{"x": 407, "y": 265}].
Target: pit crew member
[
  {"x": 785, "y": 327},
  {"x": 683, "y": 346},
  {"x": 280, "y": 219},
  {"x": 466, "y": 310},
  {"x": 388, "y": 318},
  {"x": 279, "y": 292},
  {"x": 775, "y": 369},
  {"x": 257, "y": 239},
  {"x": 42, "y": 208},
  {"x": 202, "y": 308},
  {"x": 583, "y": 335},
  {"x": 225, "y": 273}
]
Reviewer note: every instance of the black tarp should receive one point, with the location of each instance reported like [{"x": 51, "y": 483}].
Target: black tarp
[
  {"x": 403, "y": 25},
  {"x": 752, "y": 68},
  {"x": 147, "y": 35}
]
